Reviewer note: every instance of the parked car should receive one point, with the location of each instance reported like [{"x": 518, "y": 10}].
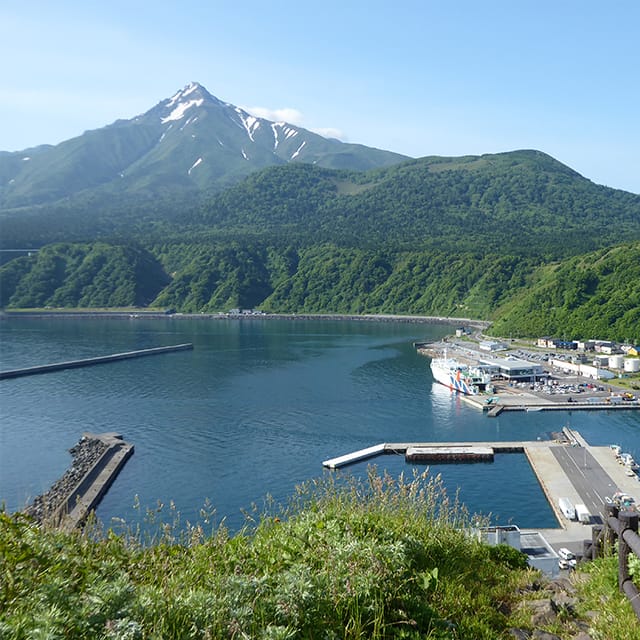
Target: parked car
[
  {"x": 565, "y": 554},
  {"x": 567, "y": 559}
]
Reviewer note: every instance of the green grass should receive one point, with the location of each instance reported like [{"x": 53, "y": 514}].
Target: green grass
[
  {"x": 598, "y": 586},
  {"x": 381, "y": 558}
]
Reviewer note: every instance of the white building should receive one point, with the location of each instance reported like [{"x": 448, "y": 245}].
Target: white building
[
  {"x": 513, "y": 368},
  {"x": 539, "y": 552},
  {"x": 595, "y": 373},
  {"x": 489, "y": 345}
]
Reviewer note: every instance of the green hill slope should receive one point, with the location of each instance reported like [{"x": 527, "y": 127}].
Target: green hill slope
[
  {"x": 589, "y": 296},
  {"x": 523, "y": 201},
  {"x": 384, "y": 559},
  {"x": 497, "y": 236},
  {"x": 77, "y": 275}
]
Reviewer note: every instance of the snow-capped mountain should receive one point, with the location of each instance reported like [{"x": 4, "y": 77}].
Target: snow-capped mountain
[{"x": 191, "y": 141}]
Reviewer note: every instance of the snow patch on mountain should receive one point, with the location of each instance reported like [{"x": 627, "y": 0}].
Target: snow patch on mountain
[
  {"x": 179, "y": 112},
  {"x": 194, "y": 165},
  {"x": 287, "y": 130},
  {"x": 191, "y": 120},
  {"x": 244, "y": 155},
  {"x": 164, "y": 133},
  {"x": 250, "y": 123},
  {"x": 183, "y": 93},
  {"x": 298, "y": 150}
]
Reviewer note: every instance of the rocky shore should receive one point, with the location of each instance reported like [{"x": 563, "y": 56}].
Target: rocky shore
[{"x": 85, "y": 454}]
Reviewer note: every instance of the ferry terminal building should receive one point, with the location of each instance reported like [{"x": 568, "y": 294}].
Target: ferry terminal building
[{"x": 512, "y": 369}]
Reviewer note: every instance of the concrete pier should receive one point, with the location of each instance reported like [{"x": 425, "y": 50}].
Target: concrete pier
[
  {"x": 436, "y": 451},
  {"x": 356, "y": 456},
  {"x": 94, "y": 485},
  {"x": 72, "y": 364},
  {"x": 519, "y": 400},
  {"x": 449, "y": 454},
  {"x": 568, "y": 467}
]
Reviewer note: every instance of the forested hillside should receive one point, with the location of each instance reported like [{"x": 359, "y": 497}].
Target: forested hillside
[
  {"x": 524, "y": 201},
  {"x": 79, "y": 275},
  {"x": 507, "y": 237},
  {"x": 597, "y": 294}
]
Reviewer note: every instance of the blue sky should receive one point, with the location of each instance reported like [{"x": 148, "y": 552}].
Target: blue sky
[{"x": 419, "y": 78}]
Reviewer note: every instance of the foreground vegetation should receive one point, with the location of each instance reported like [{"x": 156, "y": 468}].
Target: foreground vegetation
[{"x": 378, "y": 559}]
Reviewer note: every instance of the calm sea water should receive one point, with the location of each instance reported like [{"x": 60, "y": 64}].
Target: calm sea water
[{"x": 253, "y": 411}]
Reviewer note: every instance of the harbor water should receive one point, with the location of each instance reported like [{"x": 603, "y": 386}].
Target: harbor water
[{"x": 253, "y": 411}]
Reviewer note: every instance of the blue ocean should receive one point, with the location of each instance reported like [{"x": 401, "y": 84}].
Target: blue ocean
[{"x": 234, "y": 425}]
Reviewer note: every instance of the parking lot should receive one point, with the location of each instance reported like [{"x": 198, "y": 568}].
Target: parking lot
[{"x": 555, "y": 385}]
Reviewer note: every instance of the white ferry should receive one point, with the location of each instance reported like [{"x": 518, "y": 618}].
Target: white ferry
[{"x": 459, "y": 377}]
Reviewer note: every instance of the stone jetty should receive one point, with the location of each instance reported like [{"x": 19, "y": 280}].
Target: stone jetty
[{"x": 97, "y": 460}]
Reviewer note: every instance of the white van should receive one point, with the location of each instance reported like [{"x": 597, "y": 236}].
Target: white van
[
  {"x": 565, "y": 554},
  {"x": 567, "y": 508}
]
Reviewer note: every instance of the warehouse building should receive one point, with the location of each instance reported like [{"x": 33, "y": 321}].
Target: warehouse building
[{"x": 513, "y": 368}]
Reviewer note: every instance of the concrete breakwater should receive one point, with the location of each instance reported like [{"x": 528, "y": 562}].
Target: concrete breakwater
[
  {"x": 97, "y": 460},
  {"x": 252, "y": 315},
  {"x": 72, "y": 364}
]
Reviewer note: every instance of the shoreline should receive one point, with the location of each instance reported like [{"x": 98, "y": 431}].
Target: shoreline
[{"x": 140, "y": 314}]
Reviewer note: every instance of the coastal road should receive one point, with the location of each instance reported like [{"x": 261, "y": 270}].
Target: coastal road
[{"x": 590, "y": 480}]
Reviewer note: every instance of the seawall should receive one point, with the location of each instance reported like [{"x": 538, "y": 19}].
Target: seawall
[
  {"x": 142, "y": 314},
  {"x": 73, "y": 364}
]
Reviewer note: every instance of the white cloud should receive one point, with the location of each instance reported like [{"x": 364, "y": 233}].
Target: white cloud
[
  {"x": 331, "y": 132},
  {"x": 286, "y": 114},
  {"x": 293, "y": 116}
]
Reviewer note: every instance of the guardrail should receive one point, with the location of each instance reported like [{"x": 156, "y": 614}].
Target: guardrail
[{"x": 622, "y": 525}]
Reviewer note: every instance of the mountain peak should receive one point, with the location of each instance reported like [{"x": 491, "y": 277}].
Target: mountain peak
[
  {"x": 191, "y": 141},
  {"x": 193, "y": 90},
  {"x": 192, "y": 95}
]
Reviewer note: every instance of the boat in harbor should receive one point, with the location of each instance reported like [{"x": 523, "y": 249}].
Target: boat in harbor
[{"x": 458, "y": 376}]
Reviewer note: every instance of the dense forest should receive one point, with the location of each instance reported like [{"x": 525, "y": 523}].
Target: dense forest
[
  {"x": 523, "y": 202},
  {"x": 591, "y": 295},
  {"x": 597, "y": 294},
  {"x": 516, "y": 238}
]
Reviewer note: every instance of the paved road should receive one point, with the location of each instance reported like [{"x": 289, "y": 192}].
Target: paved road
[{"x": 590, "y": 480}]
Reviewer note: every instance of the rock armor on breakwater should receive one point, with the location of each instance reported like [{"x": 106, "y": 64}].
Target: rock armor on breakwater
[
  {"x": 97, "y": 460},
  {"x": 85, "y": 454}
]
